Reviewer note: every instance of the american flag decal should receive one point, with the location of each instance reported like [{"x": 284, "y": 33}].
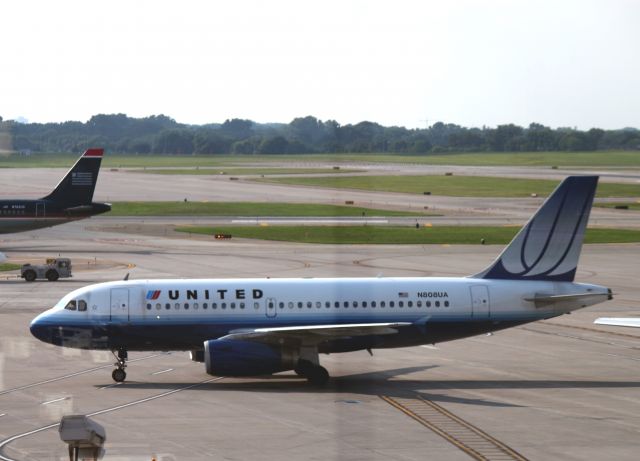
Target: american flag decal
[
  {"x": 153, "y": 294},
  {"x": 82, "y": 178},
  {"x": 403, "y": 294}
]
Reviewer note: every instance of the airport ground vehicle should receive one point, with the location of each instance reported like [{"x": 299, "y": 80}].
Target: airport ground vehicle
[{"x": 54, "y": 269}]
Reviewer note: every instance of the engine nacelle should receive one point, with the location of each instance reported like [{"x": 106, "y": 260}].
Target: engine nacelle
[{"x": 245, "y": 358}]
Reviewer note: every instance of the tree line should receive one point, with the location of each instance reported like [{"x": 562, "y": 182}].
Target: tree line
[{"x": 160, "y": 134}]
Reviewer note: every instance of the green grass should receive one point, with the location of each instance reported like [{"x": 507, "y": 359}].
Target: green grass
[
  {"x": 397, "y": 235},
  {"x": 9, "y": 267},
  {"x": 560, "y": 159},
  {"x": 244, "y": 171},
  {"x": 458, "y": 186},
  {"x": 631, "y": 205},
  {"x": 246, "y": 209}
]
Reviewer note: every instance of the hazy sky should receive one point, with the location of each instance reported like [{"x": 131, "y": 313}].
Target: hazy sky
[{"x": 411, "y": 63}]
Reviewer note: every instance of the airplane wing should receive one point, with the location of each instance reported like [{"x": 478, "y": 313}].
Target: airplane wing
[
  {"x": 314, "y": 334},
  {"x": 619, "y": 321}
]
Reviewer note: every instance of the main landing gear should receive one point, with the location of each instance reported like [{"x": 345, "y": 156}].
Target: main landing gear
[
  {"x": 315, "y": 374},
  {"x": 119, "y": 375}
]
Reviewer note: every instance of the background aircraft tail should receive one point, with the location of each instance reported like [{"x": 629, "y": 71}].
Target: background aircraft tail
[
  {"x": 77, "y": 187},
  {"x": 548, "y": 246}
]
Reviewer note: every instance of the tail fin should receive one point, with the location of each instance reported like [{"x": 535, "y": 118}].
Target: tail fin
[
  {"x": 548, "y": 246},
  {"x": 77, "y": 187}
]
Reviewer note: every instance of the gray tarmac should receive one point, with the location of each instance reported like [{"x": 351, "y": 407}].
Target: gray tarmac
[{"x": 557, "y": 389}]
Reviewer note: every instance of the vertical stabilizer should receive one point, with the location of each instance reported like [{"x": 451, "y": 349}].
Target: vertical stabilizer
[
  {"x": 548, "y": 246},
  {"x": 77, "y": 187}
]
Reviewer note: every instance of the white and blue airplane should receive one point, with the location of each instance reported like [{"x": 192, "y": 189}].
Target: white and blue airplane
[{"x": 251, "y": 327}]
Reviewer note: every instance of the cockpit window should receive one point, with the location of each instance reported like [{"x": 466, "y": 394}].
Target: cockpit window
[
  {"x": 71, "y": 305},
  {"x": 82, "y": 305}
]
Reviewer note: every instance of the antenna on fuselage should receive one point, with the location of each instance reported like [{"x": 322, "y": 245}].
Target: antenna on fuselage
[{"x": 126, "y": 277}]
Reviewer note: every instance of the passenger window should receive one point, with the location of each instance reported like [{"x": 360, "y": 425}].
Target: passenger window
[
  {"x": 195, "y": 305},
  {"x": 186, "y": 305},
  {"x": 256, "y": 305},
  {"x": 410, "y": 303},
  {"x": 346, "y": 304},
  {"x": 71, "y": 305},
  {"x": 223, "y": 305},
  {"x": 355, "y": 304},
  {"x": 158, "y": 306},
  {"x": 177, "y": 306},
  {"x": 318, "y": 304},
  {"x": 148, "y": 306},
  {"x": 437, "y": 303},
  {"x": 233, "y": 305},
  {"x": 242, "y": 305},
  {"x": 446, "y": 304},
  {"x": 428, "y": 303},
  {"x": 214, "y": 305},
  {"x": 419, "y": 303},
  {"x": 281, "y": 305},
  {"x": 82, "y": 305},
  {"x": 400, "y": 303},
  {"x": 382, "y": 304},
  {"x": 167, "y": 306},
  {"x": 290, "y": 305},
  {"x": 204, "y": 305},
  {"x": 364, "y": 304},
  {"x": 373, "y": 304},
  {"x": 299, "y": 305},
  {"x": 392, "y": 304},
  {"x": 336, "y": 304},
  {"x": 327, "y": 304}
]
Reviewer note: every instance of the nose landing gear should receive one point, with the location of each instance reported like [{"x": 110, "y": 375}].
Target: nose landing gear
[{"x": 119, "y": 375}]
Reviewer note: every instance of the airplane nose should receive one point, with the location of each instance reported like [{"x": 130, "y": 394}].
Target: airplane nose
[{"x": 40, "y": 330}]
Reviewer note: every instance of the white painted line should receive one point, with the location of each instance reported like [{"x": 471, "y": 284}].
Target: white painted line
[
  {"x": 163, "y": 371},
  {"x": 429, "y": 346},
  {"x": 7, "y": 441},
  {"x": 310, "y": 221},
  {"x": 3, "y": 414},
  {"x": 55, "y": 400}
]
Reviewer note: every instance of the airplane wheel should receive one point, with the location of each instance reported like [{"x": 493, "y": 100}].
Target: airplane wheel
[
  {"x": 119, "y": 375},
  {"x": 304, "y": 368},
  {"x": 52, "y": 276},
  {"x": 319, "y": 376},
  {"x": 30, "y": 276}
]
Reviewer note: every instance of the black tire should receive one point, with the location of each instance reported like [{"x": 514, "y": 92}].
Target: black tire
[
  {"x": 52, "y": 275},
  {"x": 119, "y": 375},
  {"x": 304, "y": 368},
  {"x": 29, "y": 275},
  {"x": 319, "y": 376}
]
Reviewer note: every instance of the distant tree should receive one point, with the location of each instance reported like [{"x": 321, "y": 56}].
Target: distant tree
[
  {"x": 237, "y": 128},
  {"x": 174, "y": 142},
  {"x": 273, "y": 145}
]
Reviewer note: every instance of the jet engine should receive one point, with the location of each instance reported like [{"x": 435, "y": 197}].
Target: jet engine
[{"x": 225, "y": 357}]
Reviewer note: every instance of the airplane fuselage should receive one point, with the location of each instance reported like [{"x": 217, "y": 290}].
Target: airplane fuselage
[
  {"x": 23, "y": 215},
  {"x": 183, "y": 314}
]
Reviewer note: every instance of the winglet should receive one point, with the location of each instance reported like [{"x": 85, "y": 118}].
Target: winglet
[{"x": 548, "y": 246}]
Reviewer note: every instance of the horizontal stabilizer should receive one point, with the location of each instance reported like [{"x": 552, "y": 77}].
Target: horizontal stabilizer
[
  {"x": 542, "y": 300},
  {"x": 619, "y": 321}
]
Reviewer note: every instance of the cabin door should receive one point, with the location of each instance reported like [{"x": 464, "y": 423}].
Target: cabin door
[
  {"x": 40, "y": 212},
  {"x": 119, "y": 304},
  {"x": 480, "y": 302},
  {"x": 270, "y": 306}
]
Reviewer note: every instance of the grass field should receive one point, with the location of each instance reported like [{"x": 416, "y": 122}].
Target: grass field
[
  {"x": 246, "y": 209},
  {"x": 397, "y": 235},
  {"x": 458, "y": 186},
  {"x": 244, "y": 171},
  {"x": 9, "y": 267},
  {"x": 560, "y": 159}
]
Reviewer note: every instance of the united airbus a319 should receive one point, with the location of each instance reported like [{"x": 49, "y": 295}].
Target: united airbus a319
[{"x": 251, "y": 327}]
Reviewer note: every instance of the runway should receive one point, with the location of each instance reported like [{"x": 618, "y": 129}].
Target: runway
[{"x": 558, "y": 389}]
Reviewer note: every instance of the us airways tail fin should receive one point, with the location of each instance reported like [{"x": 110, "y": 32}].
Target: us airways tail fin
[
  {"x": 548, "y": 246},
  {"x": 76, "y": 188}
]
